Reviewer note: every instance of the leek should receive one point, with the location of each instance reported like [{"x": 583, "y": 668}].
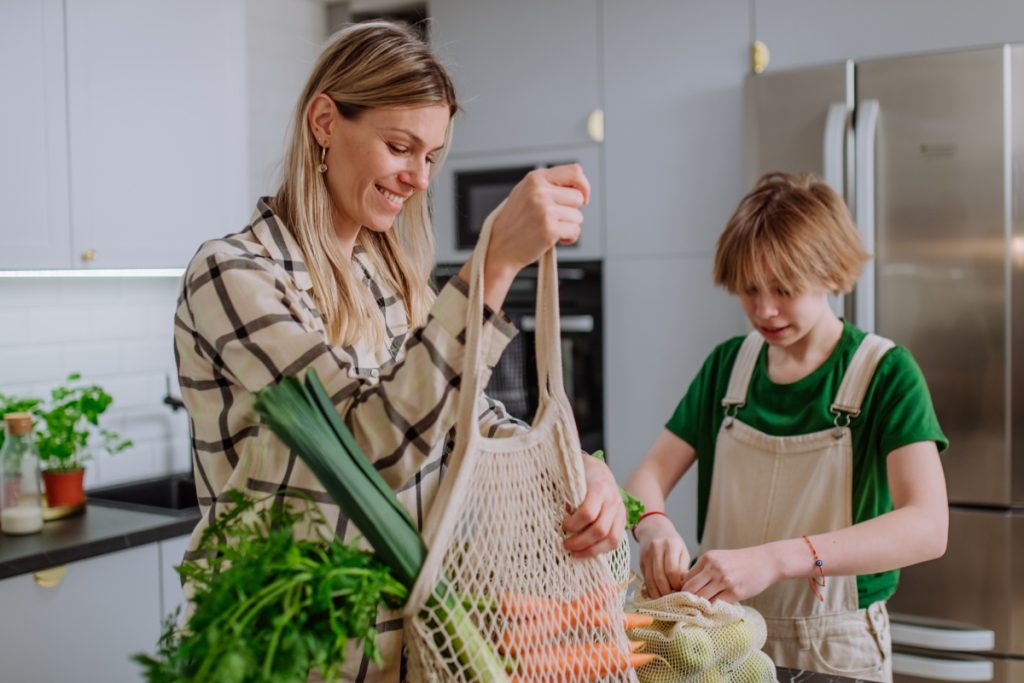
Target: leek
[{"x": 304, "y": 418}]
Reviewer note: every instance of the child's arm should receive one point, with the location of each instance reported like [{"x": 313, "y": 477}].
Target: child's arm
[
  {"x": 663, "y": 554},
  {"x": 915, "y": 531}
]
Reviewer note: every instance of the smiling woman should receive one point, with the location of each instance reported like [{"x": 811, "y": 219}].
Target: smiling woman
[{"x": 332, "y": 274}]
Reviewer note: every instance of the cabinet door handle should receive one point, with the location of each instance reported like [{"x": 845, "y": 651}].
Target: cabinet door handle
[
  {"x": 49, "y": 578},
  {"x": 89, "y": 255},
  {"x": 595, "y": 125}
]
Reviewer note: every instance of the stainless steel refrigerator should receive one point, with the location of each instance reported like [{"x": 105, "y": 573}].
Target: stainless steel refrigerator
[{"x": 928, "y": 151}]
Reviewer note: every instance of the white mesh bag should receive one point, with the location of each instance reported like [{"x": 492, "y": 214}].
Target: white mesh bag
[
  {"x": 697, "y": 641},
  {"x": 498, "y": 597}
]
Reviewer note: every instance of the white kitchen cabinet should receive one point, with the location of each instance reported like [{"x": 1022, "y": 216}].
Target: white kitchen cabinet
[
  {"x": 87, "y": 627},
  {"x": 34, "y": 227},
  {"x": 663, "y": 317},
  {"x": 673, "y": 150},
  {"x": 525, "y": 72},
  {"x": 157, "y": 125},
  {"x": 805, "y": 32},
  {"x": 172, "y": 551}
]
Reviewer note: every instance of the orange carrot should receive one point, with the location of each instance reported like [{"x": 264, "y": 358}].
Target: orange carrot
[
  {"x": 636, "y": 645},
  {"x": 632, "y": 620},
  {"x": 521, "y": 606},
  {"x": 520, "y": 634},
  {"x": 579, "y": 661}
]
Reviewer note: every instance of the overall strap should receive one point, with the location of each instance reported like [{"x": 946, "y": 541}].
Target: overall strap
[
  {"x": 742, "y": 369},
  {"x": 858, "y": 376}
]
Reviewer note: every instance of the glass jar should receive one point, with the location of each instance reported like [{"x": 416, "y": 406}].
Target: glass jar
[{"x": 21, "y": 490}]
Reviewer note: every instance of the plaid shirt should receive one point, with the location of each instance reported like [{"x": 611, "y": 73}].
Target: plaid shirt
[{"x": 246, "y": 318}]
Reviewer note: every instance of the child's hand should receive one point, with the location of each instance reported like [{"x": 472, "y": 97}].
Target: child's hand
[
  {"x": 732, "y": 575},
  {"x": 663, "y": 556}
]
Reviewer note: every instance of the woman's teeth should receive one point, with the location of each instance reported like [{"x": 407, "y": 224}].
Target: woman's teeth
[{"x": 390, "y": 196}]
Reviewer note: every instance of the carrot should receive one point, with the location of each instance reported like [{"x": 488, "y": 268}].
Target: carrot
[
  {"x": 580, "y": 661},
  {"x": 520, "y": 634},
  {"x": 636, "y": 645},
  {"x": 632, "y": 620}
]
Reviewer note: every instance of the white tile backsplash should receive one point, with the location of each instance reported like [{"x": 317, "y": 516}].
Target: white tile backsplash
[{"x": 117, "y": 333}]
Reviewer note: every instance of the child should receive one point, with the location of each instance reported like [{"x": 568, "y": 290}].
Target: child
[{"x": 818, "y": 447}]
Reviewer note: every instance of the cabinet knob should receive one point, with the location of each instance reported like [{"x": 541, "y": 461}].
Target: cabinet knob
[
  {"x": 89, "y": 255},
  {"x": 48, "y": 578},
  {"x": 595, "y": 125},
  {"x": 759, "y": 57}
]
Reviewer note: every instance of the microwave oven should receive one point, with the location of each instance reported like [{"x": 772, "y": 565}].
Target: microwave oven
[{"x": 468, "y": 188}]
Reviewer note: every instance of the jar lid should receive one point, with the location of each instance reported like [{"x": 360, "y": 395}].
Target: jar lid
[{"x": 18, "y": 423}]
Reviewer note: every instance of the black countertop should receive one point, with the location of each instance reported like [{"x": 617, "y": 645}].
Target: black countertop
[
  {"x": 798, "y": 676},
  {"x": 105, "y": 527}
]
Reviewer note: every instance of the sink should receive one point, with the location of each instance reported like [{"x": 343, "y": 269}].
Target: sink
[{"x": 175, "y": 493}]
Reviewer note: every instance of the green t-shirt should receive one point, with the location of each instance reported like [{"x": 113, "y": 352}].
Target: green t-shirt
[{"x": 897, "y": 411}]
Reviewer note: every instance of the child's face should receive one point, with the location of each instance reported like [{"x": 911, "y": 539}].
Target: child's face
[{"x": 784, "y": 318}]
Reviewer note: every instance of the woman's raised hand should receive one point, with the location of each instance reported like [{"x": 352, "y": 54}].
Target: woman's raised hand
[{"x": 543, "y": 209}]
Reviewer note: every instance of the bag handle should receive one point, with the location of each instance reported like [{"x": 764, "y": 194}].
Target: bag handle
[{"x": 459, "y": 475}]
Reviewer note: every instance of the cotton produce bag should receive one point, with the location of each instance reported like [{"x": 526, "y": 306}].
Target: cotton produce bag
[{"x": 496, "y": 562}]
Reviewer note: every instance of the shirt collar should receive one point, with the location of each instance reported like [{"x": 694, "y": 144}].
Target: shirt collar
[{"x": 277, "y": 239}]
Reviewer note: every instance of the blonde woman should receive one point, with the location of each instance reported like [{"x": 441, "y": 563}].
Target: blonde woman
[
  {"x": 332, "y": 274},
  {"x": 818, "y": 447}
]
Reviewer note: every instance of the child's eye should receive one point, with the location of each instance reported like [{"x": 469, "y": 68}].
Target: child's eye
[{"x": 782, "y": 292}]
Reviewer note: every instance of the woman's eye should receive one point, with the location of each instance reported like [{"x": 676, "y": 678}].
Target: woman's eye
[
  {"x": 397, "y": 149},
  {"x": 431, "y": 160}
]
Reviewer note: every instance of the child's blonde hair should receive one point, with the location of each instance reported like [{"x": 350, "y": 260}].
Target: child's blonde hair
[{"x": 794, "y": 228}]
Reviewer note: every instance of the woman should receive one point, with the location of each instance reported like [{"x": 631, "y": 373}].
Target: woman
[{"x": 332, "y": 274}]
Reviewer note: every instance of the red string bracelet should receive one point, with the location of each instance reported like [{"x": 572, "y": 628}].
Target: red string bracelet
[
  {"x": 818, "y": 580},
  {"x": 641, "y": 518}
]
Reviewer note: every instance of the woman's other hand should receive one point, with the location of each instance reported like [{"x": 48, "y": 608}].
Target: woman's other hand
[
  {"x": 598, "y": 524},
  {"x": 663, "y": 556}
]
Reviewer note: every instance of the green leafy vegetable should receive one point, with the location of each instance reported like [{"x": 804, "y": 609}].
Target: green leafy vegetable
[
  {"x": 634, "y": 508},
  {"x": 269, "y": 607}
]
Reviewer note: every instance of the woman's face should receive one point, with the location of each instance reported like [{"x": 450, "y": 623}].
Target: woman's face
[{"x": 378, "y": 160}]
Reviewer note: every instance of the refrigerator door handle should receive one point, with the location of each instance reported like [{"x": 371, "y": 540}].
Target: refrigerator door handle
[
  {"x": 833, "y": 146},
  {"x": 567, "y": 323},
  {"x": 956, "y": 639},
  {"x": 942, "y": 669},
  {"x": 864, "y": 211}
]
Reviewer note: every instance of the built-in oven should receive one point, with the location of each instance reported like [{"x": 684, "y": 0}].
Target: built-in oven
[{"x": 514, "y": 380}]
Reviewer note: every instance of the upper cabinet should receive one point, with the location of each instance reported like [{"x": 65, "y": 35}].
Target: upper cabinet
[
  {"x": 34, "y": 224},
  {"x": 805, "y": 32},
  {"x": 526, "y": 73},
  {"x": 157, "y": 123},
  {"x": 127, "y": 147}
]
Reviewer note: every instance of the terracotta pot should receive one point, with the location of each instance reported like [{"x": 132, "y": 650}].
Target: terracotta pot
[{"x": 64, "y": 488}]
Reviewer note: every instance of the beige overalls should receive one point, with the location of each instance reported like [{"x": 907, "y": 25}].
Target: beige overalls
[{"x": 768, "y": 488}]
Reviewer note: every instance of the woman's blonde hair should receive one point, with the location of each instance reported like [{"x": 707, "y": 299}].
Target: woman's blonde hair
[
  {"x": 365, "y": 66},
  {"x": 794, "y": 228}
]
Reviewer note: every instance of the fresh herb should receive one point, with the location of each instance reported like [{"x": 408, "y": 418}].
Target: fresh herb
[
  {"x": 269, "y": 607},
  {"x": 304, "y": 418},
  {"x": 634, "y": 508}
]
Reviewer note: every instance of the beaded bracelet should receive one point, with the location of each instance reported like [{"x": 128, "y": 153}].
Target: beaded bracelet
[
  {"x": 818, "y": 580},
  {"x": 639, "y": 519}
]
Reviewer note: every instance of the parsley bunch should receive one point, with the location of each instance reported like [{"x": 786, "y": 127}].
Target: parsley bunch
[{"x": 269, "y": 607}]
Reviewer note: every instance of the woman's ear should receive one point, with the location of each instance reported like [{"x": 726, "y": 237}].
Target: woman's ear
[{"x": 321, "y": 116}]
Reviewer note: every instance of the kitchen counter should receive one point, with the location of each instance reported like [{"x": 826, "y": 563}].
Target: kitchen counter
[
  {"x": 798, "y": 676},
  {"x": 105, "y": 527}
]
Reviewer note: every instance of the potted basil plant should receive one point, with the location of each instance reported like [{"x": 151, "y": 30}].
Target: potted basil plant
[{"x": 67, "y": 435}]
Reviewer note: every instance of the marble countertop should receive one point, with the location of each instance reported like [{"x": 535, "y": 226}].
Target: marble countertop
[{"x": 105, "y": 527}]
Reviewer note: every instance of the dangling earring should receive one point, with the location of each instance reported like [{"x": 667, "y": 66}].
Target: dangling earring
[{"x": 323, "y": 156}]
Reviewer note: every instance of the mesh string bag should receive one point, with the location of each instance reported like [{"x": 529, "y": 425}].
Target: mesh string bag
[
  {"x": 698, "y": 641},
  {"x": 498, "y": 597}
]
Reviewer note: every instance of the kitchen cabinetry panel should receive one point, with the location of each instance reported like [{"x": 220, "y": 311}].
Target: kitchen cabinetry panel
[
  {"x": 673, "y": 123},
  {"x": 85, "y": 628},
  {"x": 805, "y": 32},
  {"x": 172, "y": 551},
  {"x": 663, "y": 316},
  {"x": 157, "y": 128},
  {"x": 526, "y": 72},
  {"x": 33, "y": 133}
]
